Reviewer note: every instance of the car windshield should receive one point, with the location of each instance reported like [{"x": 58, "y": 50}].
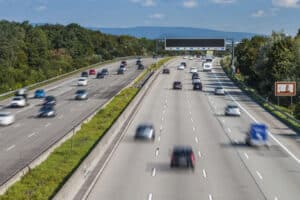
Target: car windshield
[
  {"x": 80, "y": 91},
  {"x": 4, "y": 114},
  {"x": 82, "y": 79},
  {"x": 17, "y": 98}
]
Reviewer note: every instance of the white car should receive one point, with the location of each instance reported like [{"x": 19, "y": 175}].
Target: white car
[
  {"x": 207, "y": 67},
  {"x": 18, "y": 101},
  {"x": 6, "y": 118},
  {"x": 185, "y": 57},
  {"x": 82, "y": 81},
  {"x": 232, "y": 110},
  {"x": 191, "y": 58},
  {"x": 180, "y": 67},
  {"x": 193, "y": 70},
  {"x": 219, "y": 91}
]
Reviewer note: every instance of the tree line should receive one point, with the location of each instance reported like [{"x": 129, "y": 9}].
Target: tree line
[
  {"x": 262, "y": 60},
  {"x": 30, "y": 54}
]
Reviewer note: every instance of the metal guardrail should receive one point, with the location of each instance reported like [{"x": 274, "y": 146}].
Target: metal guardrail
[{"x": 32, "y": 86}]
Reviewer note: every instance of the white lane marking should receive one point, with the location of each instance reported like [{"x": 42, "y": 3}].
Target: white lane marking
[
  {"x": 150, "y": 196},
  {"x": 190, "y": 112},
  {"x": 259, "y": 175},
  {"x": 210, "y": 197},
  {"x": 196, "y": 139},
  {"x": 32, "y": 134},
  {"x": 158, "y": 138},
  {"x": 270, "y": 134},
  {"x": 192, "y": 120},
  {"x": 275, "y": 198},
  {"x": 153, "y": 171},
  {"x": 162, "y": 119},
  {"x": 161, "y": 128},
  {"x": 223, "y": 120},
  {"x": 204, "y": 173},
  {"x": 48, "y": 124},
  {"x": 199, "y": 154},
  {"x": 156, "y": 152},
  {"x": 229, "y": 130},
  {"x": 194, "y": 128},
  {"x": 11, "y": 147},
  {"x": 246, "y": 155}
]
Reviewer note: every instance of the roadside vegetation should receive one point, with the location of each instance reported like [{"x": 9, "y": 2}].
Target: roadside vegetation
[
  {"x": 34, "y": 53},
  {"x": 46, "y": 179},
  {"x": 260, "y": 62}
]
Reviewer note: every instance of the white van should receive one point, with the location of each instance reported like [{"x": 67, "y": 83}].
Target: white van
[{"x": 207, "y": 67}]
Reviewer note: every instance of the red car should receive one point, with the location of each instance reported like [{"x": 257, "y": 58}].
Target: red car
[{"x": 92, "y": 72}]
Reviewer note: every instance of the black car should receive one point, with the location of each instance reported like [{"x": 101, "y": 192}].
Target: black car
[
  {"x": 124, "y": 62},
  {"x": 195, "y": 76},
  {"x": 183, "y": 63},
  {"x": 183, "y": 156},
  {"x": 121, "y": 71},
  {"x": 177, "y": 85},
  {"x": 197, "y": 86},
  {"x": 145, "y": 132},
  {"x": 84, "y": 74},
  {"x": 105, "y": 72},
  {"x": 141, "y": 67},
  {"x": 100, "y": 75},
  {"x": 166, "y": 71},
  {"x": 50, "y": 100},
  {"x": 138, "y": 62},
  {"x": 47, "y": 111}
]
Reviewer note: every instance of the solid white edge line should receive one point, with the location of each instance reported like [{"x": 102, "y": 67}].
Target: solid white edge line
[
  {"x": 259, "y": 175},
  {"x": 246, "y": 155},
  {"x": 210, "y": 197},
  {"x": 199, "y": 154},
  {"x": 196, "y": 139},
  {"x": 229, "y": 130},
  {"x": 270, "y": 134}
]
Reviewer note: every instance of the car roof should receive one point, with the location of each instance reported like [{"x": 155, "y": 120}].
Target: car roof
[{"x": 182, "y": 148}]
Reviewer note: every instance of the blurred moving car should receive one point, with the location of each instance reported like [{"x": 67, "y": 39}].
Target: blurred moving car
[
  {"x": 139, "y": 61},
  {"x": 180, "y": 67},
  {"x": 207, "y": 67},
  {"x": 183, "y": 63},
  {"x": 82, "y": 81},
  {"x": 92, "y": 72},
  {"x": 141, "y": 67},
  {"x": 22, "y": 92},
  {"x": 197, "y": 86},
  {"x": 100, "y": 75},
  {"x": 183, "y": 156},
  {"x": 145, "y": 132},
  {"x": 257, "y": 135},
  {"x": 219, "y": 91},
  {"x": 50, "y": 101},
  {"x": 18, "y": 101},
  {"x": 177, "y": 85},
  {"x": 166, "y": 71},
  {"x": 105, "y": 71},
  {"x": 6, "y": 118},
  {"x": 84, "y": 74},
  {"x": 232, "y": 110},
  {"x": 195, "y": 75},
  {"x": 124, "y": 62},
  {"x": 121, "y": 71},
  {"x": 47, "y": 111},
  {"x": 81, "y": 95},
  {"x": 196, "y": 80},
  {"x": 185, "y": 57},
  {"x": 193, "y": 70},
  {"x": 40, "y": 93}
]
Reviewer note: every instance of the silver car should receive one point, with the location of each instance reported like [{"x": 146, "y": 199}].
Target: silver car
[
  {"x": 219, "y": 91},
  {"x": 81, "y": 95},
  {"x": 145, "y": 132},
  {"x": 232, "y": 110}
]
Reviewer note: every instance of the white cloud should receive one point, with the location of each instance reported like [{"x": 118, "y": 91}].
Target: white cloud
[
  {"x": 146, "y": 3},
  {"x": 190, "y": 3},
  {"x": 259, "y": 13},
  {"x": 40, "y": 8},
  {"x": 157, "y": 16},
  {"x": 223, "y": 1},
  {"x": 286, "y": 3}
]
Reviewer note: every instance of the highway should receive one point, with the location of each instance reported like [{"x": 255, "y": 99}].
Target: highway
[
  {"x": 225, "y": 168},
  {"x": 29, "y": 136}
]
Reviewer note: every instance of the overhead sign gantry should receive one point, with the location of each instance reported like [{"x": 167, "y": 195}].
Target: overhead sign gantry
[{"x": 195, "y": 44}]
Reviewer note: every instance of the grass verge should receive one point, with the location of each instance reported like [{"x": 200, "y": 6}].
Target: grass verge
[{"x": 46, "y": 179}]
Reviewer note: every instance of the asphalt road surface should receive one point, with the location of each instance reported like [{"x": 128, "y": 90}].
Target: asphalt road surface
[
  {"x": 225, "y": 168},
  {"x": 29, "y": 136}
]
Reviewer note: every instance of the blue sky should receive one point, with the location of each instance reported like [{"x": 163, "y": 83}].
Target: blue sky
[{"x": 258, "y": 16}]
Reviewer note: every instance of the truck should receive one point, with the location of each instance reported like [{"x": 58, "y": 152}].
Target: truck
[{"x": 257, "y": 135}]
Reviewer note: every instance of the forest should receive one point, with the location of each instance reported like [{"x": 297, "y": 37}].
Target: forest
[{"x": 33, "y": 53}]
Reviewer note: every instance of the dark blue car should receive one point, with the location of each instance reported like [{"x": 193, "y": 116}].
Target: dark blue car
[{"x": 39, "y": 93}]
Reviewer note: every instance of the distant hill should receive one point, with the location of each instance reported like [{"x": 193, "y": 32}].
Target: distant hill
[{"x": 162, "y": 32}]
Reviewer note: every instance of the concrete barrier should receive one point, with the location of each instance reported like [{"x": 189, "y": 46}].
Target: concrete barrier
[{"x": 83, "y": 179}]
